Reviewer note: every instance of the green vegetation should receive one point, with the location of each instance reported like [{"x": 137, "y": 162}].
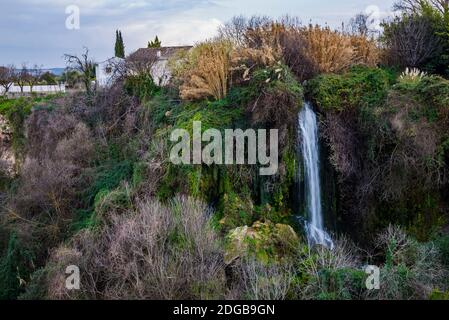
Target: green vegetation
[
  {"x": 94, "y": 185},
  {"x": 359, "y": 87},
  {"x": 119, "y": 45},
  {"x": 156, "y": 43}
]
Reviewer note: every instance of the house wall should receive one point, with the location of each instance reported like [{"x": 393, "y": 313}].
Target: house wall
[
  {"x": 104, "y": 79},
  {"x": 161, "y": 73}
]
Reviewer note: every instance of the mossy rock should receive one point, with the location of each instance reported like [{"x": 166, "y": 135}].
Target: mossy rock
[{"x": 267, "y": 241}]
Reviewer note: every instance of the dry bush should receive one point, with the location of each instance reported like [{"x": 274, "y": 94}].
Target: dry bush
[
  {"x": 296, "y": 55},
  {"x": 140, "y": 62},
  {"x": 343, "y": 142},
  {"x": 412, "y": 270},
  {"x": 154, "y": 252},
  {"x": 59, "y": 151},
  {"x": 310, "y": 50},
  {"x": 344, "y": 256},
  {"x": 45, "y": 129},
  {"x": 259, "y": 281},
  {"x": 248, "y": 59},
  {"x": 206, "y": 71},
  {"x": 410, "y": 41},
  {"x": 306, "y": 50},
  {"x": 366, "y": 51},
  {"x": 330, "y": 51},
  {"x": 417, "y": 6},
  {"x": 113, "y": 113},
  {"x": 268, "y": 34},
  {"x": 416, "y": 149}
]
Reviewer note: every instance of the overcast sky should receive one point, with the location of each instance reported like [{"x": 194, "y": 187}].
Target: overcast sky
[{"x": 34, "y": 31}]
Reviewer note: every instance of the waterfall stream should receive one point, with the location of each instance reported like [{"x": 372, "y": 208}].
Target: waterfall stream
[{"x": 308, "y": 127}]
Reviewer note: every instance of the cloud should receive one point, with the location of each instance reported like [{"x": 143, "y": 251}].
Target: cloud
[{"x": 34, "y": 30}]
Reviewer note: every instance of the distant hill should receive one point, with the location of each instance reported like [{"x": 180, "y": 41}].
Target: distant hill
[{"x": 56, "y": 71}]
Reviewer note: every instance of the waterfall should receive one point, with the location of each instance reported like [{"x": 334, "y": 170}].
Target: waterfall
[{"x": 308, "y": 127}]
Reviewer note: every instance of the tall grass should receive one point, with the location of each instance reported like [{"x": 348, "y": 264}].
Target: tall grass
[{"x": 207, "y": 71}]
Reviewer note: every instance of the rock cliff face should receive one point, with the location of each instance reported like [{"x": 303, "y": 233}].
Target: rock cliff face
[{"x": 7, "y": 159}]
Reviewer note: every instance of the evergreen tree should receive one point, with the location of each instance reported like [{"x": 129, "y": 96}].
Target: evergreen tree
[
  {"x": 155, "y": 44},
  {"x": 119, "y": 45}
]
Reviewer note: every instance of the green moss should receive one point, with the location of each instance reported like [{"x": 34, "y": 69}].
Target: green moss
[
  {"x": 15, "y": 267},
  {"x": 139, "y": 173},
  {"x": 439, "y": 295},
  {"x": 237, "y": 211},
  {"x": 16, "y": 112},
  {"x": 418, "y": 212},
  {"x": 108, "y": 176},
  {"x": 361, "y": 86},
  {"x": 267, "y": 242}
]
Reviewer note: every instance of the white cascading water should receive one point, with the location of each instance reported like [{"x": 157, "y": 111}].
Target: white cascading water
[{"x": 310, "y": 151}]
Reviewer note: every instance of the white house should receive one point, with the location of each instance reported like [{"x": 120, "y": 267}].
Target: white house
[
  {"x": 152, "y": 60},
  {"x": 105, "y": 73}
]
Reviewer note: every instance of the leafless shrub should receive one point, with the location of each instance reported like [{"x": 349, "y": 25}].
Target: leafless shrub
[
  {"x": 412, "y": 270},
  {"x": 45, "y": 129},
  {"x": 416, "y": 6},
  {"x": 342, "y": 141},
  {"x": 415, "y": 152},
  {"x": 259, "y": 281},
  {"x": 138, "y": 63},
  {"x": 7, "y": 78},
  {"x": 84, "y": 65},
  {"x": 295, "y": 54},
  {"x": 396, "y": 244},
  {"x": 410, "y": 41},
  {"x": 344, "y": 255},
  {"x": 62, "y": 258},
  {"x": 307, "y": 50},
  {"x": 51, "y": 175},
  {"x": 156, "y": 252},
  {"x": 234, "y": 30}
]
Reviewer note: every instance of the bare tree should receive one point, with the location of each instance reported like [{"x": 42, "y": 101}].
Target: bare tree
[
  {"x": 35, "y": 74},
  {"x": 238, "y": 29},
  {"x": 23, "y": 77},
  {"x": 360, "y": 24},
  {"x": 85, "y": 66},
  {"x": 234, "y": 30},
  {"x": 411, "y": 40},
  {"x": 7, "y": 77},
  {"x": 141, "y": 62},
  {"x": 416, "y": 6}
]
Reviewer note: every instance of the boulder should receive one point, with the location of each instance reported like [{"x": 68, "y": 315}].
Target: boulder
[{"x": 265, "y": 240}]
